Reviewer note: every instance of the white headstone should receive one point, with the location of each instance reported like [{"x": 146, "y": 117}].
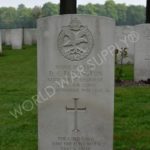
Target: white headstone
[
  {"x": 8, "y": 37},
  {"x": 142, "y": 53},
  {"x": 122, "y": 39},
  {"x": 79, "y": 113},
  {"x": 30, "y": 36},
  {"x": 3, "y": 35},
  {"x": 0, "y": 43},
  {"x": 34, "y": 36},
  {"x": 16, "y": 38}
]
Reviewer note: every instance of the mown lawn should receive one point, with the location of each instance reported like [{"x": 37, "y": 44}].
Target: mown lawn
[
  {"x": 132, "y": 118},
  {"x": 127, "y": 72},
  {"x": 18, "y": 84}
]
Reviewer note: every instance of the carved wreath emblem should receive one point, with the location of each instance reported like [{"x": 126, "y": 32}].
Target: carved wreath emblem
[{"x": 75, "y": 41}]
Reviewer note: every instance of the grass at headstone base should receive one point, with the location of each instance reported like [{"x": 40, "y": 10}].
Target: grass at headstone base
[
  {"x": 18, "y": 83},
  {"x": 127, "y": 72}
]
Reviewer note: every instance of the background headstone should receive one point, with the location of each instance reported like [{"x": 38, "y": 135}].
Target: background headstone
[
  {"x": 1, "y": 43},
  {"x": 78, "y": 115},
  {"x": 34, "y": 36},
  {"x": 121, "y": 32},
  {"x": 142, "y": 53},
  {"x": 3, "y": 35},
  {"x": 29, "y": 36},
  {"x": 7, "y": 37},
  {"x": 16, "y": 38}
]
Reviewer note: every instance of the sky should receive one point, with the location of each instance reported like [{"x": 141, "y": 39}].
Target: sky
[{"x": 32, "y": 3}]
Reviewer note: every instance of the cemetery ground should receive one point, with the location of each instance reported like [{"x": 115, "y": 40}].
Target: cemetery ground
[{"x": 18, "y": 83}]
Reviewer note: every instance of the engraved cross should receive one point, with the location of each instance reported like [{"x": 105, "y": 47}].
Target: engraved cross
[{"x": 76, "y": 110}]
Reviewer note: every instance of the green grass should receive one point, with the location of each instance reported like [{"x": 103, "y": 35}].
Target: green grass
[
  {"x": 18, "y": 83},
  {"x": 132, "y": 118},
  {"x": 127, "y": 72}
]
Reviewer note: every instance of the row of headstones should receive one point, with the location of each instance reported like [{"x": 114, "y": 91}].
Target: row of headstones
[
  {"x": 138, "y": 52},
  {"x": 17, "y": 37},
  {"x": 138, "y": 48}
]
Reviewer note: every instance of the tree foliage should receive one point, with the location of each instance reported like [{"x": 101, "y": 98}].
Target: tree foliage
[
  {"x": 49, "y": 9},
  {"x": 26, "y": 17},
  {"x": 111, "y": 10}
]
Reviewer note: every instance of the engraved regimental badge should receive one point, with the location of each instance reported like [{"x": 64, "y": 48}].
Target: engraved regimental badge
[{"x": 75, "y": 41}]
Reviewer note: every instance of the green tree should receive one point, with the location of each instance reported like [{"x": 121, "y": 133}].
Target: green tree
[
  {"x": 92, "y": 9},
  {"x": 49, "y": 9},
  {"x": 36, "y": 12},
  {"x": 100, "y": 10},
  {"x": 111, "y": 10},
  {"x": 135, "y": 15},
  {"x": 24, "y": 17},
  {"x": 122, "y": 14},
  {"x": 8, "y": 17},
  {"x": 81, "y": 9}
]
